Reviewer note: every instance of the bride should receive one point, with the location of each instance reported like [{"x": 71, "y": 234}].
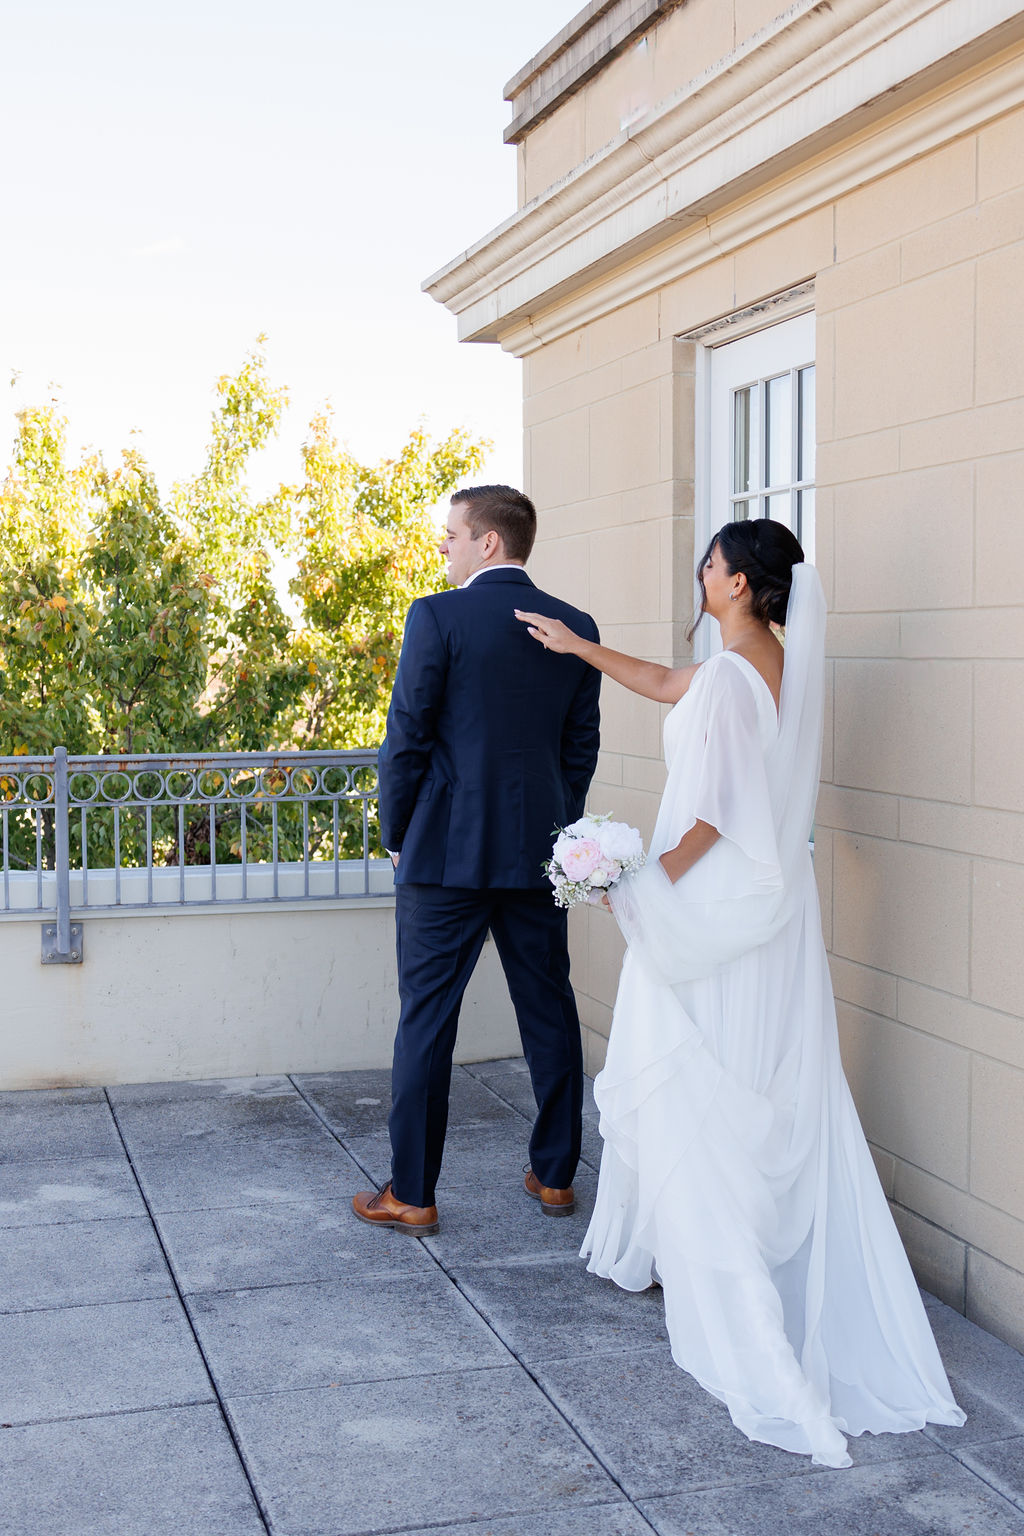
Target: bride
[{"x": 735, "y": 1172}]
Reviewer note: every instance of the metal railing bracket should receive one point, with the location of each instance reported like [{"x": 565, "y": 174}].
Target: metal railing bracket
[{"x": 51, "y": 945}]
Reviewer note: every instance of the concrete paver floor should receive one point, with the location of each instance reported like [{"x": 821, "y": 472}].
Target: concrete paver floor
[{"x": 198, "y": 1339}]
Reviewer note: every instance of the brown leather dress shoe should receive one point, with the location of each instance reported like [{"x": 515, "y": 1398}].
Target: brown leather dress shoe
[
  {"x": 381, "y": 1209},
  {"x": 553, "y": 1202}
]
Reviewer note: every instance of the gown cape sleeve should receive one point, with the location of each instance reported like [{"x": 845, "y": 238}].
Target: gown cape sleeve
[{"x": 739, "y": 894}]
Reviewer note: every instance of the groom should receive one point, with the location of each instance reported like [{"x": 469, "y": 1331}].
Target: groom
[{"x": 491, "y": 744}]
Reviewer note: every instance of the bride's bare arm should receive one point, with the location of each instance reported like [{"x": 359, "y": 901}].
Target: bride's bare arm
[
  {"x": 666, "y": 684},
  {"x": 693, "y": 845}
]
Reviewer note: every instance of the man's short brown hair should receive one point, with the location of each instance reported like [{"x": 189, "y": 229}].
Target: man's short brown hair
[{"x": 503, "y": 510}]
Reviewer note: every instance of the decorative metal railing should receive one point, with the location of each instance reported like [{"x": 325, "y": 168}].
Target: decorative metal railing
[{"x": 81, "y": 834}]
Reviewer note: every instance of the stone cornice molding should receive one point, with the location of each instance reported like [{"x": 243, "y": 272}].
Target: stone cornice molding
[
  {"x": 990, "y": 95},
  {"x": 820, "y": 73},
  {"x": 598, "y": 34}
]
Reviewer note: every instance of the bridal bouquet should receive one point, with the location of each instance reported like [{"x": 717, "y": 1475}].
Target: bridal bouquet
[{"x": 589, "y": 856}]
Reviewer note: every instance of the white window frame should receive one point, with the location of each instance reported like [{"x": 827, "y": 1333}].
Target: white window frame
[{"x": 759, "y": 318}]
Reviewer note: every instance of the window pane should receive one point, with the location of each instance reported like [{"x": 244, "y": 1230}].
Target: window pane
[
  {"x": 742, "y": 399},
  {"x": 779, "y": 507},
  {"x": 778, "y": 430},
  {"x": 740, "y": 511},
  {"x": 805, "y": 526},
  {"x": 806, "y": 470}
]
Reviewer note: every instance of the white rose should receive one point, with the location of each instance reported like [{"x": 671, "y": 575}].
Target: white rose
[
  {"x": 605, "y": 873},
  {"x": 586, "y": 826},
  {"x": 619, "y": 842}
]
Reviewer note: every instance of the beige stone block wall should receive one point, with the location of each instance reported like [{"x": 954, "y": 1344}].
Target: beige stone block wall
[
  {"x": 608, "y": 413},
  {"x": 923, "y": 808},
  {"x": 920, "y": 831}
]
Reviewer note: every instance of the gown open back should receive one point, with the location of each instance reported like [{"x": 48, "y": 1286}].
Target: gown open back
[{"x": 735, "y": 1171}]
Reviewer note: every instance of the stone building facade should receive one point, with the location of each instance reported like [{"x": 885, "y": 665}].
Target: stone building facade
[{"x": 772, "y": 259}]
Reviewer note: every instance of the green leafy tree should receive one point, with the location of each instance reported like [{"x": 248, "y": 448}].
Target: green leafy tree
[
  {"x": 44, "y": 628},
  {"x": 368, "y": 549},
  {"x": 147, "y": 604},
  {"x": 134, "y": 623},
  {"x": 253, "y": 674}
]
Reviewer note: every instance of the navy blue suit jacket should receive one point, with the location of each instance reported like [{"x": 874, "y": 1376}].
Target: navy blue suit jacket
[{"x": 491, "y": 740}]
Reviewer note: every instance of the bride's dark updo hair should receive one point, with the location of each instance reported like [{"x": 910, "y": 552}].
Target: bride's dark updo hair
[{"x": 763, "y": 551}]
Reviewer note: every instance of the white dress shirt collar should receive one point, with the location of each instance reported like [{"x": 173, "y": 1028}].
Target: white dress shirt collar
[{"x": 508, "y": 566}]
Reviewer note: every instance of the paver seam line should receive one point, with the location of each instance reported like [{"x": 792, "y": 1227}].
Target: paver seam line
[
  {"x": 267, "y": 1205},
  {"x": 811, "y": 1470},
  {"x": 371, "y": 1381},
  {"x": 330, "y": 1129},
  {"x": 256, "y": 1205},
  {"x": 501, "y": 1098},
  {"x": 762, "y": 1481},
  {"x": 228, "y": 1426},
  {"x": 491, "y": 1089},
  {"x": 472, "y": 1067},
  {"x": 43, "y": 1161},
  {"x": 606, "y": 1352},
  {"x": 1016, "y": 1502},
  {"x": 402, "y": 1277},
  {"x": 487, "y": 1323},
  {"x": 284, "y": 1203},
  {"x": 659, "y": 1350},
  {"x": 215, "y": 1210},
  {"x": 985, "y": 1445},
  {"x": 484, "y": 1520},
  {"x": 767, "y": 1479},
  {"x": 229, "y": 1144},
  {"x": 799, "y": 1471},
  {"x": 933, "y": 1431},
  {"x": 459, "y": 1523},
  {"x": 84, "y": 1222},
  {"x": 283, "y": 1285},
  {"x": 383, "y": 1136},
  {"x": 111, "y": 1413},
  {"x": 360, "y": 1134},
  {"x": 513, "y": 1261},
  {"x": 78, "y": 1305},
  {"x": 538, "y": 1384},
  {"x": 84, "y": 1306},
  {"x": 65, "y": 1221}
]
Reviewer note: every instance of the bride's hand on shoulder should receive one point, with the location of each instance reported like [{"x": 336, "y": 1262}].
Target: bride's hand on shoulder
[{"x": 552, "y": 633}]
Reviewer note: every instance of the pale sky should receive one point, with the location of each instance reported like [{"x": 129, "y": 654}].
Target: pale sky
[{"x": 178, "y": 178}]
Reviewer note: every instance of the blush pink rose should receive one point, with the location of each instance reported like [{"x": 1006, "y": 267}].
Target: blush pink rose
[
  {"x": 581, "y": 858},
  {"x": 606, "y": 872}
]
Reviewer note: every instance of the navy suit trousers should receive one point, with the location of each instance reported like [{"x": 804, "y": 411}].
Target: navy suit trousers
[{"x": 440, "y": 933}]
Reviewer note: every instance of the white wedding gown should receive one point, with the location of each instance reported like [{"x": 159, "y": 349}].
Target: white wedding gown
[{"x": 735, "y": 1171}]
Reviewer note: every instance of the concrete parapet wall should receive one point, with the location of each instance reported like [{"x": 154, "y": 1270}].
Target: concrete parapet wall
[{"x": 234, "y": 992}]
